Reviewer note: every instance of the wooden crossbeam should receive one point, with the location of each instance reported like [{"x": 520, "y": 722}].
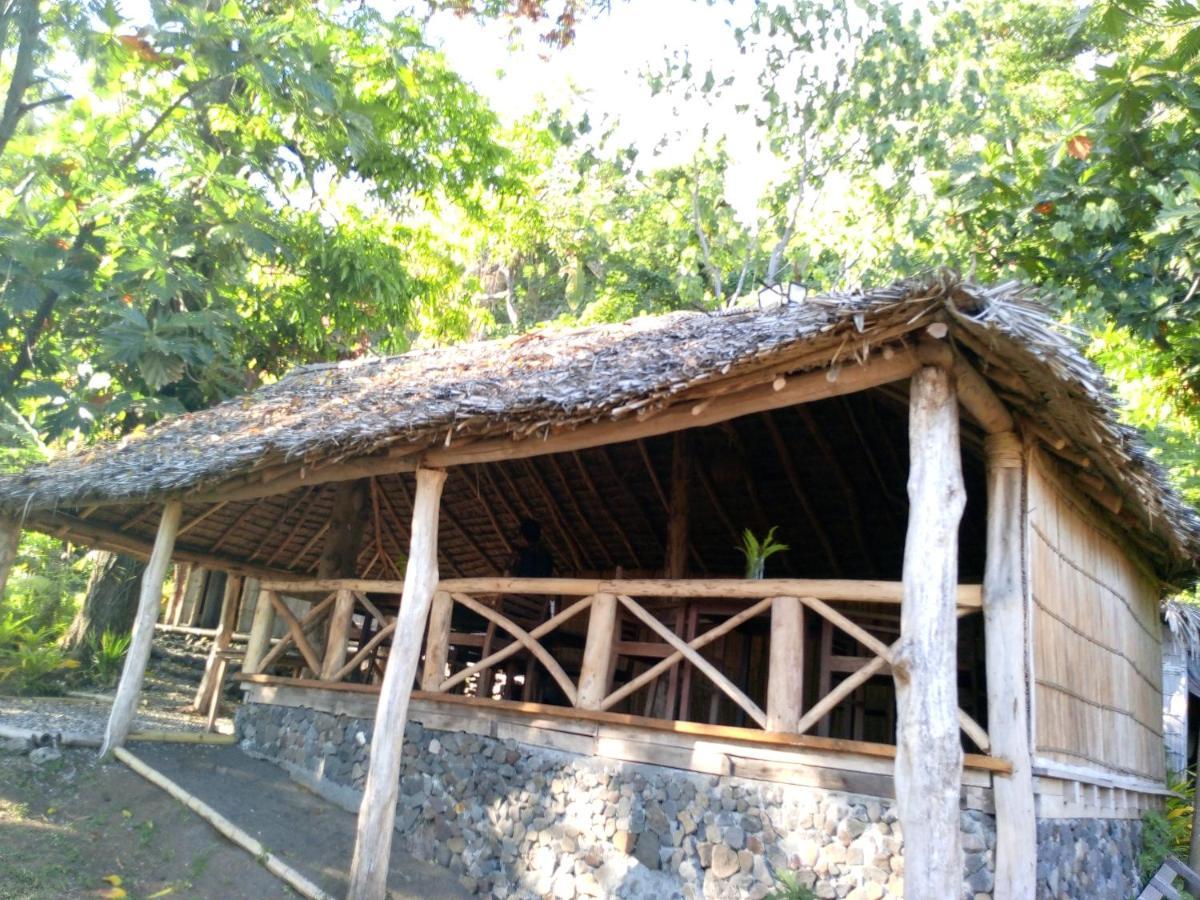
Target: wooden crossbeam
[
  {"x": 516, "y": 646},
  {"x": 713, "y": 674},
  {"x": 296, "y": 627},
  {"x": 525, "y": 638}
]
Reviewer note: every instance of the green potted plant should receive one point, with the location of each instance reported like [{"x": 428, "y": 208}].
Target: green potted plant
[{"x": 757, "y": 552}]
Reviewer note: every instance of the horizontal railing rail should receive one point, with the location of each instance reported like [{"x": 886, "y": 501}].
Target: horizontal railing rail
[{"x": 602, "y": 599}]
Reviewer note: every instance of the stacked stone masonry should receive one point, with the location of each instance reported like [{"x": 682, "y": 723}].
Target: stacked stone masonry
[{"x": 518, "y": 821}]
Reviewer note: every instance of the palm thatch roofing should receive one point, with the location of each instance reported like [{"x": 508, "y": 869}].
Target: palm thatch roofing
[{"x": 553, "y": 381}]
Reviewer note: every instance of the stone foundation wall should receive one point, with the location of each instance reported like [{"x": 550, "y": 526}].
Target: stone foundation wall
[
  {"x": 519, "y": 821},
  {"x": 1088, "y": 859}
]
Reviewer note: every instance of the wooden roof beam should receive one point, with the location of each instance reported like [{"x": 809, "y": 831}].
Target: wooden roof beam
[{"x": 881, "y": 368}]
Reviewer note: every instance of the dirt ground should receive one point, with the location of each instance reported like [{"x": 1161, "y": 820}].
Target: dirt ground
[{"x": 68, "y": 823}]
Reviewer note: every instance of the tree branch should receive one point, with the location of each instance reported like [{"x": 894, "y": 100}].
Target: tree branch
[{"x": 29, "y": 27}]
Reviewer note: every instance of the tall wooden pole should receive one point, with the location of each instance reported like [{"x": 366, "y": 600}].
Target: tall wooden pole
[
  {"x": 10, "y": 537},
  {"x": 1005, "y": 635},
  {"x": 193, "y": 595},
  {"x": 260, "y": 633},
  {"x": 339, "y": 635},
  {"x": 598, "y": 652},
  {"x": 785, "y": 672},
  {"x": 437, "y": 644},
  {"x": 376, "y": 815},
  {"x": 129, "y": 689},
  {"x": 928, "y": 772},
  {"x": 221, "y": 641}
]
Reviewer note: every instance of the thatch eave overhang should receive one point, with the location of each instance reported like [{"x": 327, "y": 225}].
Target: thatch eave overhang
[{"x": 327, "y": 422}]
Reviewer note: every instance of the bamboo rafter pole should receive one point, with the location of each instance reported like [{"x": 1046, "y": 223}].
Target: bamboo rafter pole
[
  {"x": 234, "y": 526},
  {"x": 584, "y": 521},
  {"x": 306, "y": 509},
  {"x": 525, "y": 638},
  {"x": 295, "y": 505},
  {"x": 710, "y": 671},
  {"x": 196, "y": 520},
  {"x": 573, "y": 546},
  {"x": 793, "y": 478},
  {"x": 834, "y": 467},
  {"x": 487, "y": 511},
  {"x": 614, "y": 521},
  {"x": 516, "y": 646}
]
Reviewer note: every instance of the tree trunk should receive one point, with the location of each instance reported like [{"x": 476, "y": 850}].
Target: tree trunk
[{"x": 110, "y": 604}]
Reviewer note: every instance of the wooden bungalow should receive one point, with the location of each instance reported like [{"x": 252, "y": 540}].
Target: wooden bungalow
[{"x": 959, "y": 653}]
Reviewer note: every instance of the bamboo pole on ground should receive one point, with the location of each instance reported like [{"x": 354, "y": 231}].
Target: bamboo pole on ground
[
  {"x": 209, "y": 683},
  {"x": 10, "y": 538},
  {"x": 129, "y": 689},
  {"x": 929, "y": 758},
  {"x": 376, "y": 815},
  {"x": 1006, "y": 636}
]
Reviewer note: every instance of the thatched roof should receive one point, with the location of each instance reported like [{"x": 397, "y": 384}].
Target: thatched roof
[{"x": 549, "y": 381}]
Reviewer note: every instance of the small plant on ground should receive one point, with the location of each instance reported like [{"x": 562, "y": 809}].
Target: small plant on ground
[
  {"x": 758, "y": 552},
  {"x": 108, "y": 655},
  {"x": 1168, "y": 833},
  {"x": 787, "y": 887},
  {"x": 30, "y": 661}
]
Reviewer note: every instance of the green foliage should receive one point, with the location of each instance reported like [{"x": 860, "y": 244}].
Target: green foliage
[
  {"x": 788, "y": 887},
  {"x": 1168, "y": 833},
  {"x": 241, "y": 187},
  {"x": 758, "y": 552},
  {"x": 46, "y": 583},
  {"x": 108, "y": 656},
  {"x": 30, "y": 661}
]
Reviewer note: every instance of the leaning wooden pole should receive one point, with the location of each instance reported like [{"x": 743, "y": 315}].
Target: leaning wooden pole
[
  {"x": 929, "y": 754},
  {"x": 1005, "y": 637},
  {"x": 10, "y": 538},
  {"x": 130, "y": 687},
  {"x": 376, "y": 815}
]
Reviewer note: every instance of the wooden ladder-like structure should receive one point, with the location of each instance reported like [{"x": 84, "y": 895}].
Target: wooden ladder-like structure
[{"x": 1161, "y": 886}]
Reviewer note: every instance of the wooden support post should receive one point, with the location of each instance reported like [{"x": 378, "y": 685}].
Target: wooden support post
[
  {"x": 171, "y": 614},
  {"x": 928, "y": 774},
  {"x": 1005, "y": 633},
  {"x": 338, "y": 635},
  {"x": 597, "y": 652},
  {"x": 785, "y": 673},
  {"x": 377, "y": 814},
  {"x": 209, "y": 685},
  {"x": 10, "y": 537},
  {"x": 149, "y": 600},
  {"x": 260, "y": 633},
  {"x": 251, "y": 588},
  {"x": 193, "y": 596},
  {"x": 437, "y": 643}
]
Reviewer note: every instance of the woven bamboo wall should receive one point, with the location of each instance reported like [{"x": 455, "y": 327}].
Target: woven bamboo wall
[{"x": 1097, "y": 644}]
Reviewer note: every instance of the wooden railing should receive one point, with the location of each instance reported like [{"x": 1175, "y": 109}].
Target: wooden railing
[
  {"x": 342, "y": 600},
  {"x": 783, "y": 599}
]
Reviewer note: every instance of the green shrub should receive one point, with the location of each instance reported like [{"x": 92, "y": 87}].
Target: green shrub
[
  {"x": 30, "y": 660},
  {"x": 108, "y": 656},
  {"x": 788, "y": 888},
  {"x": 1168, "y": 833}
]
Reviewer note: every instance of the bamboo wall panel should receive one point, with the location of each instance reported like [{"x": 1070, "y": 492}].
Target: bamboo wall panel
[{"x": 1097, "y": 646}]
